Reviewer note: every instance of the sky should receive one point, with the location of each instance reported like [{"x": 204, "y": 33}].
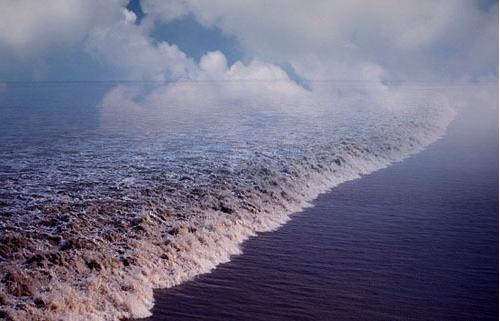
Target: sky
[{"x": 297, "y": 40}]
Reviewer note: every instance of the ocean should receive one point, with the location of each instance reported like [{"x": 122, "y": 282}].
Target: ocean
[
  {"x": 107, "y": 195},
  {"x": 415, "y": 241}
]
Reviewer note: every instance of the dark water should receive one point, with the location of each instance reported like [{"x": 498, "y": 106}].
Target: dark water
[{"x": 415, "y": 241}]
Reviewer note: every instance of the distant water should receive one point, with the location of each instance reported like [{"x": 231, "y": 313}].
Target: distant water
[
  {"x": 415, "y": 241},
  {"x": 108, "y": 191}
]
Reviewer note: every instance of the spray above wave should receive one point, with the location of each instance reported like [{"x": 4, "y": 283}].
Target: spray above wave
[{"x": 93, "y": 221}]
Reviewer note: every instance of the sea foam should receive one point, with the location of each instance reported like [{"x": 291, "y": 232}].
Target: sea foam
[{"x": 92, "y": 227}]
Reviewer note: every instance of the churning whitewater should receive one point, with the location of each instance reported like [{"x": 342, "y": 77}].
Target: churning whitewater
[{"x": 94, "y": 220}]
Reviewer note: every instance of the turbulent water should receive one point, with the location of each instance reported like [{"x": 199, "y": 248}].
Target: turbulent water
[{"x": 101, "y": 204}]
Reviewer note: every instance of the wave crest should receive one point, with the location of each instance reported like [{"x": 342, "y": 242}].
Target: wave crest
[{"x": 140, "y": 216}]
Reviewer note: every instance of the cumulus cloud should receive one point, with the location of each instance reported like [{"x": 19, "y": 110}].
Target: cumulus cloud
[
  {"x": 346, "y": 48},
  {"x": 406, "y": 37},
  {"x": 262, "y": 86},
  {"x": 129, "y": 47},
  {"x": 32, "y": 32},
  {"x": 30, "y": 27},
  {"x": 320, "y": 40},
  {"x": 215, "y": 85}
]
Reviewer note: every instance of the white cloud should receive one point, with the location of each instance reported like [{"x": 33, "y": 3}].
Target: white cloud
[
  {"x": 402, "y": 35},
  {"x": 129, "y": 47},
  {"x": 442, "y": 39},
  {"x": 29, "y": 26},
  {"x": 164, "y": 10},
  {"x": 130, "y": 16},
  {"x": 215, "y": 85},
  {"x": 262, "y": 86}
]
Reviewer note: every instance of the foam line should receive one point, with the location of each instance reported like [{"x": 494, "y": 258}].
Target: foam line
[{"x": 99, "y": 256}]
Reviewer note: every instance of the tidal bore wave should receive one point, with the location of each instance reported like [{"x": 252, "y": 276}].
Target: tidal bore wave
[{"x": 91, "y": 225}]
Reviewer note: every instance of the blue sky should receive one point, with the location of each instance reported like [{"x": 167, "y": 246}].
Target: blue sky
[
  {"x": 446, "y": 40},
  {"x": 191, "y": 37}
]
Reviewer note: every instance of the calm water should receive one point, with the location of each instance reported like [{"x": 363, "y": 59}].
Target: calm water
[{"x": 415, "y": 241}]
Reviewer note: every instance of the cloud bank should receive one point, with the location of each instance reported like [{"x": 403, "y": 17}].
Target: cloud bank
[{"x": 320, "y": 40}]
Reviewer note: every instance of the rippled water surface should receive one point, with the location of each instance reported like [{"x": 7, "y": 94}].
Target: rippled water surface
[
  {"x": 415, "y": 241},
  {"x": 109, "y": 191}
]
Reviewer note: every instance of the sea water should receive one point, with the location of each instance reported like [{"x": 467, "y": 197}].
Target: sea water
[
  {"x": 103, "y": 200},
  {"x": 415, "y": 241}
]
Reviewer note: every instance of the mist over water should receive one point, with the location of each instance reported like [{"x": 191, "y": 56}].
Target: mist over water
[{"x": 108, "y": 193}]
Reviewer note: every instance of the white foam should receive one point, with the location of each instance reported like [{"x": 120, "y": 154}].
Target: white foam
[{"x": 188, "y": 230}]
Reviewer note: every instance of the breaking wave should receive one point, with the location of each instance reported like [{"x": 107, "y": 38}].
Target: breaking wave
[{"x": 93, "y": 222}]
